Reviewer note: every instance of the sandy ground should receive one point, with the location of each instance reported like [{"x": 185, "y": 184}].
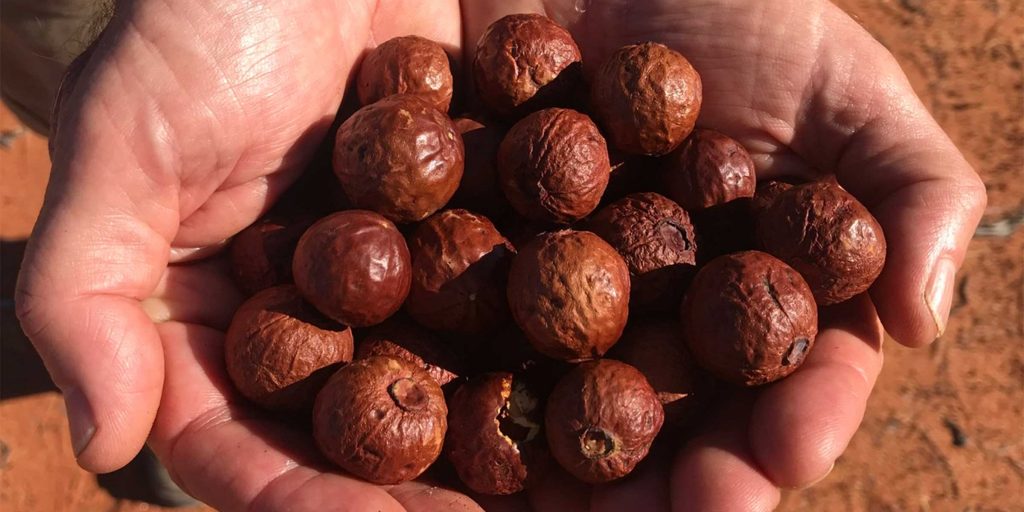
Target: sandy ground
[{"x": 945, "y": 426}]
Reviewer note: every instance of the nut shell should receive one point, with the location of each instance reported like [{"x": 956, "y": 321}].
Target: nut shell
[
  {"x": 381, "y": 419},
  {"x": 553, "y": 166},
  {"x": 412, "y": 343},
  {"x": 828, "y": 236},
  {"x": 354, "y": 266},
  {"x": 280, "y": 351},
  {"x": 495, "y": 434},
  {"x": 569, "y": 293},
  {"x": 708, "y": 169},
  {"x": 524, "y": 62},
  {"x": 647, "y": 98},
  {"x": 460, "y": 268},
  {"x": 400, "y": 157},
  {"x": 261, "y": 254},
  {"x": 601, "y": 420},
  {"x": 656, "y": 239},
  {"x": 749, "y": 319},
  {"x": 406, "y": 65}
]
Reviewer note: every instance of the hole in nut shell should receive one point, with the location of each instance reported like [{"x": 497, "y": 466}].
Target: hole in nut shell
[
  {"x": 596, "y": 443},
  {"x": 796, "y": 352},
  {"x": 515, "y": 416},
  {"x": 408, "y": 395},
  {"x": 675, "y": 234}
]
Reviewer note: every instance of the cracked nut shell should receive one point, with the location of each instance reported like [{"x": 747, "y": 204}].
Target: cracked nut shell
[
  {"x": 828, "y": 236},
  {"x": 553, "y": 166},
  {"x": 656, "y": 239},
  {"x": 601, "y": 420},
  {"x": 647, "y": 98},
  {"x": 524, "y": 62},
  {"x": 708, "y": 169},
  {"x": 495, "y": 434},
  {"x": 406, "y": 65},
  {"x": 261, "y": 254},
  {"x": 749, "y": 319},
  {"x": 412, "y": 343},
  {"x": 460, "y": 268},
  {"x": 399, "y": 157},
  {"x": 382, "y": 419},
  {"x": 354, "y": 266},
  {"x": 569, "y": 293},
  {"x": 280, "y": 351}
]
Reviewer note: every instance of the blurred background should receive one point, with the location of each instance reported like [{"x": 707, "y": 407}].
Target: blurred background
[{"x": 944, "y": 428}]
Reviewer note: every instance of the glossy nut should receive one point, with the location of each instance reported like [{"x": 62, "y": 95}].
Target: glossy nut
[
  {"x": 647, "y": 98},
  {"x": 708, "y": 169},
  {"x": 279, "y": 350},
  {"x": 524, "y": 62},
  {"x": 749, "y": 319},
  {"x": 399, "y": 157},
  {"x": 460, "y": 268},
  {"x": 381, "y": 419},
  {"x": 354, "y": 266},
  {"x": 554, "y": 166},
  {"x": 406, "y": 65},
  {"x": 569, "y": 293},
  {"x": 412, "y": 343},
  {"x": 261, "y": 254},
  {"x": 601, "y": 420},
  {"x": 828, "y": 236}
]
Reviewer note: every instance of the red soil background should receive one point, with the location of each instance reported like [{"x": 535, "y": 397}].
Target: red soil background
[{"x": 945, "y": 426}]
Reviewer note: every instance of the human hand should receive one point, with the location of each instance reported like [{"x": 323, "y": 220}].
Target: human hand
[{"x": 175, "y": 138}]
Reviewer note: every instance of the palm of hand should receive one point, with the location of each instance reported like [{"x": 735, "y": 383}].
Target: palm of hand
[{"x": 232, "y": 108}]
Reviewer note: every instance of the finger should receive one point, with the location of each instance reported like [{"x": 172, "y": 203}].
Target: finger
[
  {"x": 232, "y": 456},
  {"x": 558, "y": 491},
  {"x": 801, "y": 425},
  {"x": 423, "y": 497},
  {"x": 716, "y": 471},
  {"x": 646, "y": 488}
]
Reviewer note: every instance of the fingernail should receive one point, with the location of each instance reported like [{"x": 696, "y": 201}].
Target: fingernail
[
  {"x": 938, "y": 296},
  {"x": 823, "y": 477},
  {"x": 80, "y": 420}
]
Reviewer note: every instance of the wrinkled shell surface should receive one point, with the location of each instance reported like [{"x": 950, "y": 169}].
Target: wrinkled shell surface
[
  {"x": 460, "y": 268},
  {"x": 354, "y": 266},
  {"x": 647, "y": 98},
  {"x": 406, "y": 65},
  {"x": 749, "y": 318},
  {"x": 569, "y": 293},
  {"x": 261, "y": 254},
  {"x": 399, "y": 157},
  {"x": 280, "y": 351},
  {"x": 655, "y": 238},
  {"x": 480, "y": 189},
  {"x": 708, "y": 169},
  {"x": 410, "y": 342},
  {"x": 828, "y": 236},
  {"x": 767, "y": 193},
  {"x": 554, "y": 166},
  {"x": 601, "y": 420},
  {"x": 524, "y": 62},
  {"x": 495, "y": 434},
  {"x": 381, "y": 419}
]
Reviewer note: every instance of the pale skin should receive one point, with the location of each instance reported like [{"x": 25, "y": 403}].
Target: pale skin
[{"x": 191, "y": 117}]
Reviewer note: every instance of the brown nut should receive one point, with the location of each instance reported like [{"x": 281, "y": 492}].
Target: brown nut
[
  {"x": 460, "y": 268},
  {"x": 410, "y": 342},
  {"x": 766, "y": 194},
  {"x": 569, "y": 293},
  {"x": 354, "y": 266},
  {"x": 495, "y": 434},
  {"x": 749, "y": 319},
  {"x": 657, "y": 349},
  {"x": 601, "y": 420},
  {"x": 655, "y": 238},
  {"x": 708, "y": 169},
  {"x": 828, "y": 236},
  {"x": 480, "y": 189},
  {"x": 406, "y": 65},
  {"x": 261, "y": 254},
  {"x": 399, "y": 157},
  {"x": 382, "y": 419},
  {"x": 280, "y": 351},
  {"x": 647, "y": 98},
  {"x": 554, "y": 166},
  {"x": 525, "y": 62}
]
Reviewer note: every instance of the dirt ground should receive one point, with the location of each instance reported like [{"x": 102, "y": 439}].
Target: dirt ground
[{"x": 945, "y": 426}]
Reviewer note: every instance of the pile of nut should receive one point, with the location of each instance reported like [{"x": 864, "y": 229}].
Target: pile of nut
[{"x": 557, "y": 278}]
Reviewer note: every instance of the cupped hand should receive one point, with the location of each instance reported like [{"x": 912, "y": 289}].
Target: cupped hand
[{"x": 186, "y": 120}]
